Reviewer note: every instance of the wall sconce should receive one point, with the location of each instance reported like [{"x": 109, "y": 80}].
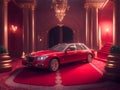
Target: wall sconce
[
  {"x": 13, "y": 28},
  {"x": 40, "y": 38}
]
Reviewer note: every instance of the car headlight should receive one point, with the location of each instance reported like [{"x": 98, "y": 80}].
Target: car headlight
[{"x": 42, "y": 57}]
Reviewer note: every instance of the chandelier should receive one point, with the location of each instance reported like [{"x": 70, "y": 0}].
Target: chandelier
[{"x": 60, "y": 7}]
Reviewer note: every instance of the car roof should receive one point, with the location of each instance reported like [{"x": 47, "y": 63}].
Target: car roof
[{"x": 72, "y": 43}]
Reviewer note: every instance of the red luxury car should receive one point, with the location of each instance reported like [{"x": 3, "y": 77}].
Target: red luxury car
[{"x": 59, "y": 54}]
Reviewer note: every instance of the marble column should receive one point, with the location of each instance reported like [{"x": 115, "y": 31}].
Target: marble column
[
  {"x": 88, "y": 30},
  {"x": 28, "y": 27},
  {"x": 4, "y": 23},
  {"x": 92, "y": 27},
  {"x": 116, "y": 19},
  {"x": 28, "y": 7},
  {"x": 33, "y": 28}
]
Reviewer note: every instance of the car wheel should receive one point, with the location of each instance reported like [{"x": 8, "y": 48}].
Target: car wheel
[
  {"x": 54, "y": 65},
  {"x": 89, "y": 58}
]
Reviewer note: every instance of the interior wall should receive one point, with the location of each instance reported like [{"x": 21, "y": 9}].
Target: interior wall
[
  {"x": 15, "y": 45},
  {"x": 45, "y": 20},
  {"x": 106, "y": 24}
]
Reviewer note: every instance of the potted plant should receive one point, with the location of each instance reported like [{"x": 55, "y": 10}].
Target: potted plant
[
  {"x": 115, "y": 49},
  {"x": 5, "y": 60},
  {"x": 112, "y": 68}
]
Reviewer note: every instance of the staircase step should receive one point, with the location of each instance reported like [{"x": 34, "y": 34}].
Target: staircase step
[
  {"x": 104, "y": 56},
  {"x": 104, "y": 51},
  {"x": 106, "y": 48},
  {"x": 101, "y": 59}
]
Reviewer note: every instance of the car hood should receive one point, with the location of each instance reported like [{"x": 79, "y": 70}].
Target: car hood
[{"x": 44, "y": 52}]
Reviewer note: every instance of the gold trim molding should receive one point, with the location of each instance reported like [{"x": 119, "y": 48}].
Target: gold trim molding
[{"x": 95, "y": 3}]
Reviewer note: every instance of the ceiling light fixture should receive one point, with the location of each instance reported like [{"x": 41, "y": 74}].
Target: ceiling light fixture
[{"x": 60, "y": 7}]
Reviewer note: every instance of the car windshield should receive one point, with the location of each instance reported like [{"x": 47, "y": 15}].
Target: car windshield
[{"x": 59, "y": 47}]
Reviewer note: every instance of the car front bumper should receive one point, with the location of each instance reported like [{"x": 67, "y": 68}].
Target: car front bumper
[{"x": 35, "y": 63}]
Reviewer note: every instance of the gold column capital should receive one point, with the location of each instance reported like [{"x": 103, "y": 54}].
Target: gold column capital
[
  {"x": 95, "y": 4},
  {"x": 25, "y": 3}
]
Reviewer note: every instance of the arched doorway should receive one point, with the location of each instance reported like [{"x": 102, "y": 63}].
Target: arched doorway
[{"x": 60, "y": 35}]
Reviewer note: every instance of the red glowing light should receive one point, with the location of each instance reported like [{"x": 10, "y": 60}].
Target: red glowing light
[
  {"x": 13, "y": 28},
  {"x": 107, "y": 29},
  {"x": 106, "y": 32}
]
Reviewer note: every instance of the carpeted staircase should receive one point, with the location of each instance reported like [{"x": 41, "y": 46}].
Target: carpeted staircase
[{"x": 104, "y": 52}]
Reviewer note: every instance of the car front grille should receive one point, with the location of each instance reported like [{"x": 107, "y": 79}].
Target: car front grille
[{"x": 30, "y": 59}]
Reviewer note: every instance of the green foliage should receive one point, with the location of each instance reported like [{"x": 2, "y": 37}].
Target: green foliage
[
  {"x": 3, "y": 50},
  {"x": 115, "y": 49}
]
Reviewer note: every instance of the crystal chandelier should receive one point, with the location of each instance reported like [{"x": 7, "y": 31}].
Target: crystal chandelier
[{"x": 60, "y": 7}]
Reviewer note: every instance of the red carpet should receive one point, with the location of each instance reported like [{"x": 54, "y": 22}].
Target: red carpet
[
  {"x": 71, "y": 74},
  {"x": 79, "y": 74},
  {"x": 34, "y": 77},
  {"x": 99, "y": 64},
  {"x": 104, "y": 52}
]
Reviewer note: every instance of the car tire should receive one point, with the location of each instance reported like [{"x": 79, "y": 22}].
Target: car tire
[
  {"x": 54, "y": 65},
  {"x": 89, "y": 58}
]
